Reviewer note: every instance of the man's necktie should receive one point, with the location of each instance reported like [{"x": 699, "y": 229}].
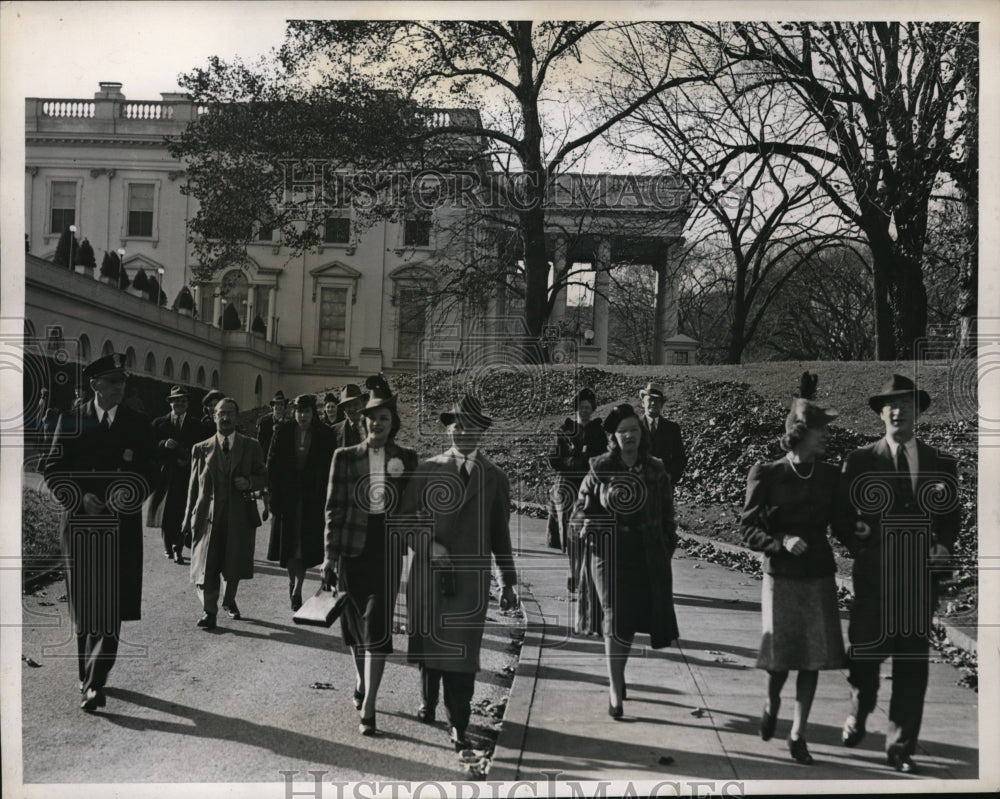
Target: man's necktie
[
  {"x": 465, "y": 470},
  {"x": 225, "y": 445},
  {"x": 105, "y": 422},
  {"x": 903, "y": 467}
]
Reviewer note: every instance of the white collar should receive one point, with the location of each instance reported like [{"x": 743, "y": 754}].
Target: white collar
[
  {"x": 101, "y": 411},
  {"x": 460, "y": 458},
  {"x": 220, "y": 438},
  {"x": 910, "y": 447}
]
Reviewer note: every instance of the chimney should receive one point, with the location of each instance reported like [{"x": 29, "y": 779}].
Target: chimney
[{"x": 110, "y": 90}]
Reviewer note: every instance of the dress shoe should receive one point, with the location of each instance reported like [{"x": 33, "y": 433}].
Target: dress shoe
[
  {"x": 853, "y": 732},
  {"x": 207, "y": 621},
  {"x": 296, "y": 601},
  {"x": 799, "y": 751},
  {"x": 426, "y": 715},
  {"x": 359, "y": 698},
  {"x": 233, "y": 610},
  {"x": 459, "y": 740},
  {"x": 901, "y": 761},
  {"x": 616, "y": 711},
  {"x": 93, "y": 699},
  {"x": 168, "y": 554},
  {"x": 178, "y": 557},
  {"x": 367, "y": 727},
  {"x": 768, "y": 723}
]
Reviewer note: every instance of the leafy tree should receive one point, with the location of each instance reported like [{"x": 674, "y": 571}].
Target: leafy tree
[
  {"x": 258, "y": 326},
  {"x": 184, "y": 300},
  {"x": 365, "y": 108},
  {"x": 85, "y": 256},
  {"x": 67, "y": 249},
  {"x": 230, "y": 318},
  {"x": 111, "y": 268},
  {"x": 141, "y": 281}
]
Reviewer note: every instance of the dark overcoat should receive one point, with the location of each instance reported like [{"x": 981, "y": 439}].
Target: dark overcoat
[
  {"x": 570, "y": 456},
  {"x": 211, "y": 485},
  {"x": 667, "y": 445},
  {"x": 86, "y": 458},
  {"x": 298, "y": 496},
  {"x": 346, "y": 434},
  {"x": 894, "y": 585},
  {"x": 169, "y": 498},
  {"x": 610, "y": 498},
  {"x": 471, "y": 521}
]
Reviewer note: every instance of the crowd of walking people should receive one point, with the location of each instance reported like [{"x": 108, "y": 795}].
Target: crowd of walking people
[{"x": 342, "y": 496}]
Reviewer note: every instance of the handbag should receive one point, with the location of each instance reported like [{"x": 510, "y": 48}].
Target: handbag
[{"x": 322, "y": 609}]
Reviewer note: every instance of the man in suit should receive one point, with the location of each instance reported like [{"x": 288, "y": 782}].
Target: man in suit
[
  {"x": 463, "y": 501},
  {"x": 174, "y": 434},
  {"x": 221, "y": 512},
  {"x": 100, "y": 468},
  {"x": 664, "y": 435},
  {"x": 350, "y": 431},
  {"x": 906, "y": 495},
  {"x": 268, "y": 423}
]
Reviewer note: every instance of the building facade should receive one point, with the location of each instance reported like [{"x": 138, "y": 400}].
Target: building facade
[{"x": 355, "y": 305}]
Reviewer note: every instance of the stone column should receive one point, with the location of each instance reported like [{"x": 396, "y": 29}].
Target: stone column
[
  {"x": 217, "y": 311},
  {"x": 601, "y": 281},
  {"x": 271, "y": 308},
  {"x": 559, "y": 264}
]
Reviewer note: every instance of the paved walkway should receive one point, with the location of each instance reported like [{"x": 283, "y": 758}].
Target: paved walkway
[{"x": 693, "y": 710}]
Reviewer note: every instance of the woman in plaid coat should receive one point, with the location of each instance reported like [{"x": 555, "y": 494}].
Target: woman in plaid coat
[{"x": 365, "y": 488}]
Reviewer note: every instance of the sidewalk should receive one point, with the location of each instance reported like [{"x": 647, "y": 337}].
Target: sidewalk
[{"x": 698, "y": 703}]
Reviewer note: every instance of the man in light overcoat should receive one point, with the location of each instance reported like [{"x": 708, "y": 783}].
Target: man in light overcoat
[{"x": 221, "y": 512}]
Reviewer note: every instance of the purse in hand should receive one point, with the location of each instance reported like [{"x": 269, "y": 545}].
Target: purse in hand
[{"x": 322, "y": 609}]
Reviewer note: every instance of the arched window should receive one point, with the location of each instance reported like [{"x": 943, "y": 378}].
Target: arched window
[
  {"x": 185, "y": 373},
  {"x": 150, "y": 363},
  {"x": 108, "y": 348},
  {"x": 201, "y": 375},
  {"x": 130, "y": 359},
  {"x": 84, "y": 348},
  {"x": 215, "y": 378},
  {"x": 168, "y": 367},
  {"x": 258, "y": 390}
]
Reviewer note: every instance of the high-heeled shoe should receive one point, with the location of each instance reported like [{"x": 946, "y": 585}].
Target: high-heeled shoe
[
  {"x": 359, "y": 699},
  {"x": 768, "y": 723},
  {"x": 367, "y": 727},
  {"x": 799, "y": 751},
  {"x": 616, "y": 712}
]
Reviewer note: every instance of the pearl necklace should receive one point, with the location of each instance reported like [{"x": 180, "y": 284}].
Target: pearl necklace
[{"x": 812, "y": 468}]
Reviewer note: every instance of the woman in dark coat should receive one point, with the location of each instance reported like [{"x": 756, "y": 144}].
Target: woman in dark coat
[
  {"x": 789, "y": 505},
  {"x": 298, "y": 466},
  {"x": 624, "y": 516},
  {"x": 365, "y": 488}
]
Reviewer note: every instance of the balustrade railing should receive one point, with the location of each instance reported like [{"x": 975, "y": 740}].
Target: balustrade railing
[{"x": 68, "y": 109}]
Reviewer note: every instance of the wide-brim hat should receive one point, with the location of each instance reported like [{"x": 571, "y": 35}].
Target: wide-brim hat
[
  {"x": 379, "y": 398},
  {"x": 810, "y": 413},
  {"x": 177, "y": 392},
  {"x": 212, "y": 397},
  {"x": 468, "y": 407},
  {"x": 305, "y": 401},
  {"x": 107, "y": 365},
  {"x": 279, "y": 396},
  {"x": 653, "y": 390},
  {"x": 351, "y": 391},
  {"x": 899, "y": 386}
]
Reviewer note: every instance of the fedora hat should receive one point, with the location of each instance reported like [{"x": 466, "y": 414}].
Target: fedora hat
[
  {"x": 211, "y": 398},
  {"x": 177, "y": 392},
  {"x": 279, "y": 397},
  {"x": 351, "y": 391},
  {"x": 379, "y": 394},
  {"x": 653, "y": 390},
  {"x": 810, "y": 413},
  {"x": 304, "y": 401},
  {"x": 103, "y": 367},
  {"x": 467, "y": 408},
  {"x": 899, "y": 386}
]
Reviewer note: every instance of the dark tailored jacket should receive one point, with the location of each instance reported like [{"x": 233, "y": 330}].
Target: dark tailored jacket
[
  {"x": 667, "y": 445},
  {"x": 606, "y": 502},
  {"x": 346, "y": 516},
  {"x": 570, "y": 456},
  {"x": 265, "y": 432},
  {"x": 347, "y": 434},
  {"x": 166, "y": 505},
  {"x": 471, "y": 520},
  {"x": 211, "y": 491},
  {"x": 779, "y": 504},
  {"x": 85, "y": 458},
  {"x": 870, "y": 489},
  {"x": 298, "y": 497}
]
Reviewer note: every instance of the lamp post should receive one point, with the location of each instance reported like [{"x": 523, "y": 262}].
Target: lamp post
[
  {"x": 159, "y": 284},
  {"x": 222, "y": 313},
  {"x": 72, "y": 239},
  {"x": 121, "y": 265}
]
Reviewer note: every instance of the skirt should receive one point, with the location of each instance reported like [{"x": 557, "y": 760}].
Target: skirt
[
  {"x": 371, "y": 580},
  {"x": 801, "y": 624}
]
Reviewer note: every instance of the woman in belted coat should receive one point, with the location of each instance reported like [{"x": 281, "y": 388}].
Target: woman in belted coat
[
  {"x": 624, "y": 516},
  {"x": 298, "y": 470}
]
